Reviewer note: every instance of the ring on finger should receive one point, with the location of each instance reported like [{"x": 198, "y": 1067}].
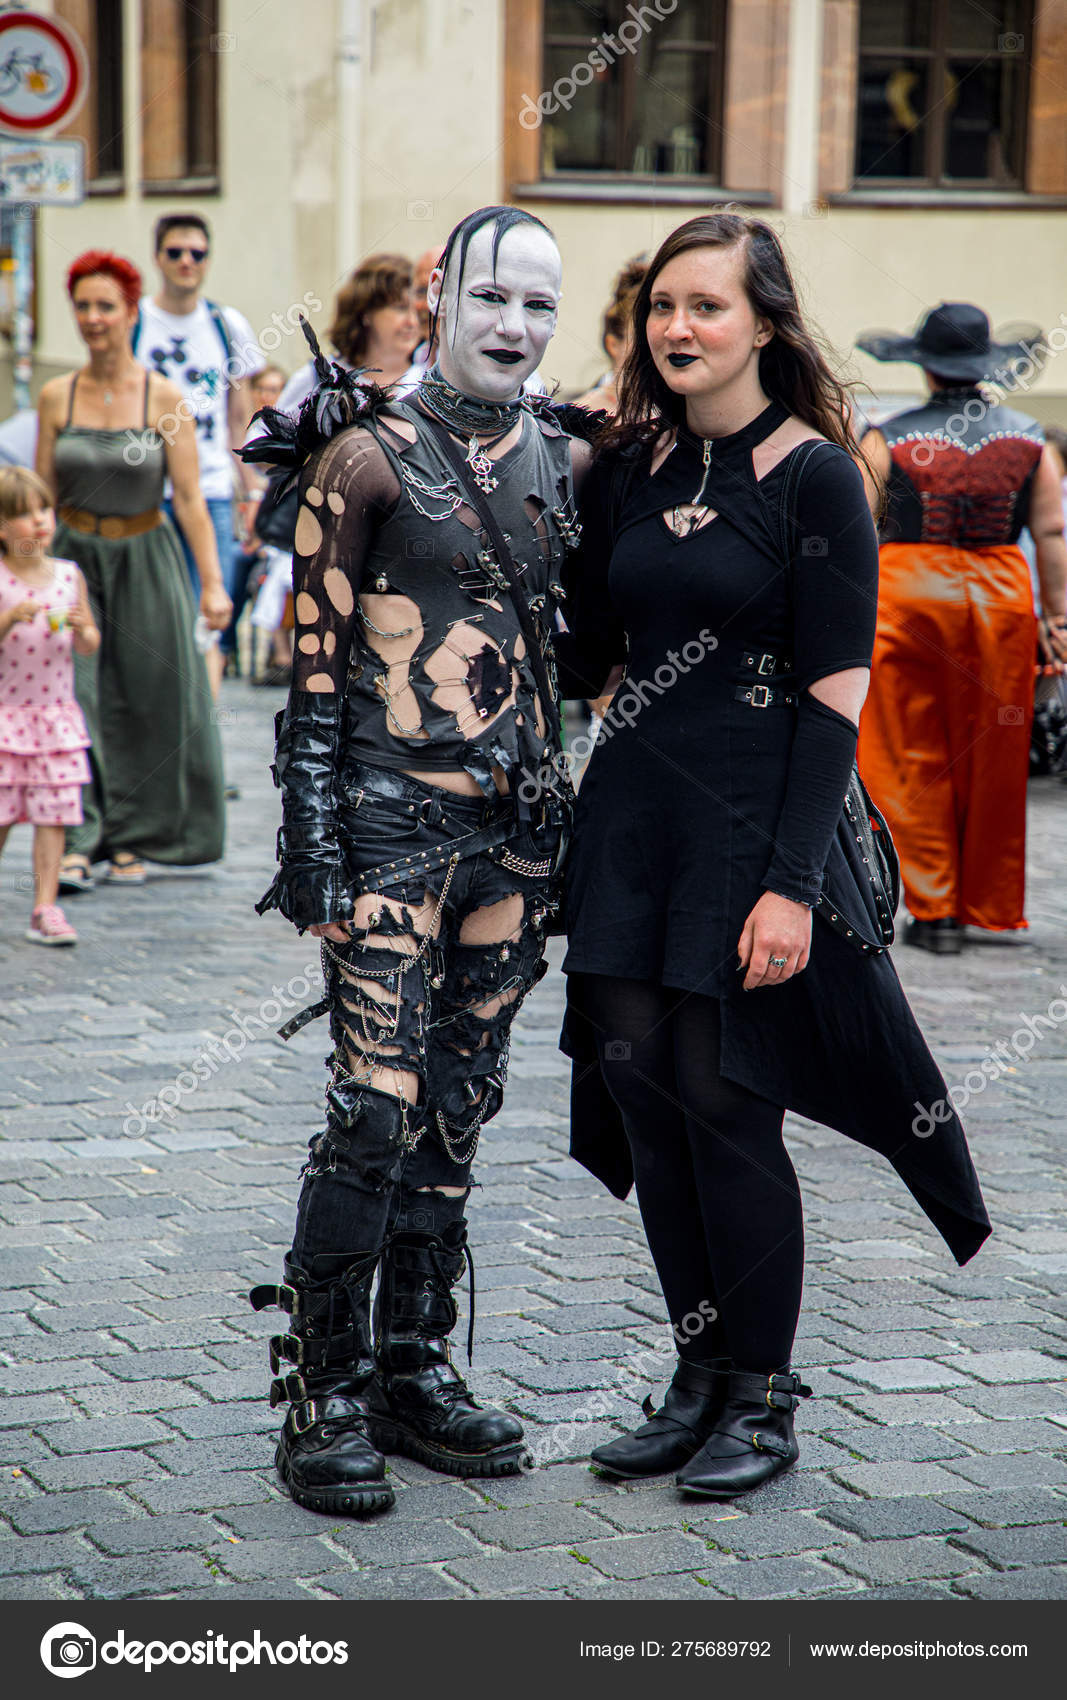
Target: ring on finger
[{"x": 777, "y": 961}]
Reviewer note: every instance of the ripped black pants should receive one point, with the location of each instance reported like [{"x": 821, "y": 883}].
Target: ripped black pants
[{"x": 421, "y": 1004}]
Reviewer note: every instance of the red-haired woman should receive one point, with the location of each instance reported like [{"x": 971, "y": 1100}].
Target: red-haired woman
[
  {"x": 109, "y": 434},
  {"x": 728, "y": 556}
]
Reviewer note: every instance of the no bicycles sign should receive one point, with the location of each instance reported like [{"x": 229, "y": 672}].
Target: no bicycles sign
[{"x": 42, "y": 73}]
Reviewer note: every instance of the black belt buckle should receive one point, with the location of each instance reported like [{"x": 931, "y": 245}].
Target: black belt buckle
[{"x": 760, "y": 696}]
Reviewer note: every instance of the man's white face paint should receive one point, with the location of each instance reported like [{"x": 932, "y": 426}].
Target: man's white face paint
[{"x": 493, "y": 329}]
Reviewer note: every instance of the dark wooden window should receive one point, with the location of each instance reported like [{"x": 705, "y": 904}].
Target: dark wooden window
[
  {"x": 180, "y": 51},
  {"x": 942, "y": 93},
  {"x": 641, "y": 105},
  {"x": 99, "y": 124}
]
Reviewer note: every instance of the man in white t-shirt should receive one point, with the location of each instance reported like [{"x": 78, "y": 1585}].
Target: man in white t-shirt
[{"x": 211, "y": 353}]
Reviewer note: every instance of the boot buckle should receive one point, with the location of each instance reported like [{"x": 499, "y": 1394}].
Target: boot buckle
[
  {"x": 288, "y": 1389},
  {"x": 276, "y": 1298},
  {"x": 287, "y": 1347},
  {"x": 313, "y": 1416}
]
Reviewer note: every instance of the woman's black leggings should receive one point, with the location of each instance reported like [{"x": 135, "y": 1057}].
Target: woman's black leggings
[{"x": 718, "y": 1193}]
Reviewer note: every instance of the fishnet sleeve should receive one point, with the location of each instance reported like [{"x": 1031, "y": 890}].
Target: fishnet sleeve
[{"x": 345, "y": 491}]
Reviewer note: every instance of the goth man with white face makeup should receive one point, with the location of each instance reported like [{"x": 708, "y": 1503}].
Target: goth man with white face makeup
[{"x": 420, "y": 695}]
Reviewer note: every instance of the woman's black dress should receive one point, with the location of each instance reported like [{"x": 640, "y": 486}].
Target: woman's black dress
[{"x": 678, "y": 811}]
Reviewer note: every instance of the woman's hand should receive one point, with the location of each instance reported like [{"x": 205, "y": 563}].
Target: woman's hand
[
  {"x": 216, "y": 608},
  {"x": 777, "y": 927},
  {"x": 335, "y": 931},
  {"x": 1052, "y": 641}
]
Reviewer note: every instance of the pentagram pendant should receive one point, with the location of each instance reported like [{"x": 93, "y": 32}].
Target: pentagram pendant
[{"x": 481, "y": 467}]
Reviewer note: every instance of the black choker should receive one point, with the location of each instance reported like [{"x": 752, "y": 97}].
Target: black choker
[{"x": 467, "y": 414}]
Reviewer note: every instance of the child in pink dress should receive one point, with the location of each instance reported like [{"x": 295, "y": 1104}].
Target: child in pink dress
[{"x": 44, "y": 614}]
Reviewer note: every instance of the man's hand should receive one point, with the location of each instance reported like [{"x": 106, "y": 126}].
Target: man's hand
[{"x": 779, "y": 928}]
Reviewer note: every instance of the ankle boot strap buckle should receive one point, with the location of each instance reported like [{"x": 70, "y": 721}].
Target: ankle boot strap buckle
[
  {"x": 785, "y": 1391},
  {"x": 771, "y": 1443}
]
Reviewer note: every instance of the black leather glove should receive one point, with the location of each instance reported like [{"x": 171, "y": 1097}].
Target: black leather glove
[
  {"x": 310, "y": 885},
  {"x": 820, "y": 765}
]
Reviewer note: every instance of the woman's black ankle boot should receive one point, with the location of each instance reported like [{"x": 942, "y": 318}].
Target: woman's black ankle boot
[
  {"x": 753, "y": 1439},
  {"x": 690, "y": 1409}
]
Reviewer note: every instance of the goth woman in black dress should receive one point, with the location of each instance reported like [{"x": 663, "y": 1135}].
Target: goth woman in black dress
[{"x": 725, "y": 960}]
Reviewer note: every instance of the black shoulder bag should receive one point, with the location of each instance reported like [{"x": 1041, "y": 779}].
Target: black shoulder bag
[
  {"x": 862, "y": 831},
  {"x": 862, "y": 822}
]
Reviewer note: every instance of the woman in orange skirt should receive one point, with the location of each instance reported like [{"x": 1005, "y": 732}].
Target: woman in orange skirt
[{"x": 945, "y": 731}]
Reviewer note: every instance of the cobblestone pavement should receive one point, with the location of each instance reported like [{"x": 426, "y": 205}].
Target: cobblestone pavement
[{"x": 136, "y": 1449}]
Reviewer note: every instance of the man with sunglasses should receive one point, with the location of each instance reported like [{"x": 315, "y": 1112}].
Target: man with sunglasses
[{"x": 211, "y": 353}]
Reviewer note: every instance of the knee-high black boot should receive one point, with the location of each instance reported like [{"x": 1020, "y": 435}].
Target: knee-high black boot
[
  {"x": 753, "y": 1439},
  {"x": 325, "y": 1455},
  {"x": 419, "y": 1404}
]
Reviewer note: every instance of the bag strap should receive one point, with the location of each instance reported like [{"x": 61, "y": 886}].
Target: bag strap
[
  {"x": 223, "y": 329},
  {"x": 790, "y": 486},
  {"x": 483, "y": 509}
]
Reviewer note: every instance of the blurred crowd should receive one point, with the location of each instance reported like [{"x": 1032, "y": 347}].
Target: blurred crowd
[{"x": 137, "y": 572}]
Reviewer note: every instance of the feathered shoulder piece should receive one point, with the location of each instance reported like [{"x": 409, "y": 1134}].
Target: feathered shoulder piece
[
  {"x": 584, "y": 422},
  {"x": 340, "y": 399}
]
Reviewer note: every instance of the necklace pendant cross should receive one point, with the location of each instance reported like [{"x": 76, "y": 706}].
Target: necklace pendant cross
[{"x": 481, "y": 467}]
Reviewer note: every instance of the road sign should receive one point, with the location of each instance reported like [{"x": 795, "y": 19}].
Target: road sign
[
  {"x": 50, "y": 173},
  {"x": 43, "y": 73}
]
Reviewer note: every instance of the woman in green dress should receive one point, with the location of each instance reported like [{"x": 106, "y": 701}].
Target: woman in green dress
[{"x": 109, "y": 434}]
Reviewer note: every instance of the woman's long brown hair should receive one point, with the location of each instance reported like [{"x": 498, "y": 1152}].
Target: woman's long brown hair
[{"x": 793, "y": 369}]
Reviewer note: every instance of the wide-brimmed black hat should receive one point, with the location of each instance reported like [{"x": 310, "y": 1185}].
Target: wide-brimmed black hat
[{"x": 953, "y": 341}]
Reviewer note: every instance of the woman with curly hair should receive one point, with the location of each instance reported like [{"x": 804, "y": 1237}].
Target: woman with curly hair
[
  {"x": 109, "y": 435},
  {"x": 375, "y": 324}
]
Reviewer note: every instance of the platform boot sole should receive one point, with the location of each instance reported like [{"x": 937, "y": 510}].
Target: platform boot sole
[
  {"x": 390, "y": 1437},
  {"x": 338, "y": 1501}
]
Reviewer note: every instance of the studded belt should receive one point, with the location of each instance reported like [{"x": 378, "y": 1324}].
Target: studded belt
[{"x": 428, "y": 861}]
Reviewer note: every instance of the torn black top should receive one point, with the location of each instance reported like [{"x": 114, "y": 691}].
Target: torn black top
[{"x": 400, "y": 604}]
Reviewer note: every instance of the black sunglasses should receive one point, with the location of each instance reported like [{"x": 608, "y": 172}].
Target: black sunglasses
[{"x": 197, "y": 255}]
